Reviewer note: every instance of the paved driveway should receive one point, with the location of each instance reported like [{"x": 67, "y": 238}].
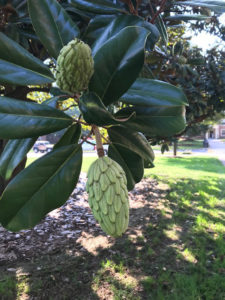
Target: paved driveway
[{"x": 218, "y": 148}]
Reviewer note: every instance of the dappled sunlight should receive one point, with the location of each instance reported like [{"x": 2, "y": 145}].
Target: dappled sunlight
[
  {"x": 94, "y": 244},
  {"x": 113, "y": 281},
  {"x": 173, "y": 233},
  {"x": 187, "y": 255}
]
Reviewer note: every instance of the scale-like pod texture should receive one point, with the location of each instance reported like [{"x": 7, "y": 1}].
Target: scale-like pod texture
[
  {"x": 75, "y": 66},
  {"x": 108, "y": 195}
]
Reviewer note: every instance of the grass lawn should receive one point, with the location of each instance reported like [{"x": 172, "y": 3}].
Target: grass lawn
[
  {"x": 195, "y": 144},
  {"x": 193, "y": 167},
  {"x": 174, "y": 249},
  {"x": 184, "y": 145}
]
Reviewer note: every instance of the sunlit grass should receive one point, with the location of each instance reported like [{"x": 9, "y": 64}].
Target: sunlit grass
[{"x": 186, "y": 167}]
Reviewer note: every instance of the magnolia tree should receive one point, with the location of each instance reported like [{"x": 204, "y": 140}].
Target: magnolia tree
[{"x": 95, "y": 54}]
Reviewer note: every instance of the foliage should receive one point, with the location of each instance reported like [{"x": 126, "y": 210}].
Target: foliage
[{"x": 123, "y": 37}]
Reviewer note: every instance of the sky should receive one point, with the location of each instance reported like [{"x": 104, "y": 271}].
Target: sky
[{"x": 208, "y": 41}]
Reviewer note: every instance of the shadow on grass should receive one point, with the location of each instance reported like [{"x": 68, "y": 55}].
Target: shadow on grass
[{"x": 174, "y": 249}]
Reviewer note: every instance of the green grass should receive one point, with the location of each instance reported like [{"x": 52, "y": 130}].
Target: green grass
[
  {"x": 195, "y": 144},
  {"x": 187, "y": 167},
  {"x": 87, "y": 161},
  {"x": 184, "y": 145}
]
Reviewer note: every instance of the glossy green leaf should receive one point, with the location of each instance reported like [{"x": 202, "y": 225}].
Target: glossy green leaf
[
  {"x": 13, "y": 153},
  {"x": 19, "y": 119},
  {"x": 118, "y": 63},
  {"x": 20, "y": 67},
  {"x": 52, "y": 24},
  {"x": 121, "y": 22},
  {"x": 71, "y": 136},
  {"x": 43, "y": 186},
  {"x": 162, "y": 29},
  {"x": 187, "y": 18},
  {"x": 156, "y": 121},
  {"x": 217, "y": 6},
  {"x": 133, "y": 140},
  {"x": 151, "y": 92},
  {"x": 52, "y": 101},
  {"x": 95, "y": 112},
  {"x": 78, "y": 15},
  {"x": 131, "y": 163},
  {"x": 96, "y": 27},
  {"x": 103, "y": 7}
]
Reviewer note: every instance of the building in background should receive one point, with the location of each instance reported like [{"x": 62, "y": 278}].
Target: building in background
[{"x": 217, "y": 131}]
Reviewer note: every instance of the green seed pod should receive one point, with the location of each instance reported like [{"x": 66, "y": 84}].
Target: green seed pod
[
  {"x": 75, "y": 66},
  {"x": 108, "y": 195}
]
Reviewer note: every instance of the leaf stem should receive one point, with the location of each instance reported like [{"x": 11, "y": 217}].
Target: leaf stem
[{"x": 99, "y": 146}]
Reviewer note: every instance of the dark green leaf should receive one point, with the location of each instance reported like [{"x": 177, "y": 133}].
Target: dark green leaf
[
  {"x": 14, "y": 152},
  {"x": 43, "y": 186},
  {"x": 133, "y": 140},
  {"x": 95, "y": 112},
  {"x": 97, "y": 6},
  {"x": 155, "y": 121},
  {"x": 52, "y": 101},
  {"x": 118, "y": 63},
  {"x": 71, "y": 136},
  {"x": 131, "y": 163},
  {"x": 19, "y": 119},
  {"x": 79, "y": 15},
  {"x": 20, "y": 67},
  {"x": 196, "y": 61},
  {"x": 96, "y": 27},
  {"x": 150, "y": 92},
  {"x": 52, "y": 24},
  {"x": 162, "y": 29},
  {"x": 121, "y": 22}
]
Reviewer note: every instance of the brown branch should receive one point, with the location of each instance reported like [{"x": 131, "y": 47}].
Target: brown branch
[
  {"x": 161, "y": 9},
  {"x": 130, "y": 6},
  {"x": 67, "y": 108},
  {"x": 137, "y": 6},
  {"x": 86, "y": 137},
  {"x": 151, "y": 8},
  {"x": 80, "y": 122},
  {"x": 105, "y": 139}
]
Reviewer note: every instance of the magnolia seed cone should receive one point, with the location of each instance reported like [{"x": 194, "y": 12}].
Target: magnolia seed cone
[
  {"x": 75, "y": 66},
  {"x": 108, "y": 195}
]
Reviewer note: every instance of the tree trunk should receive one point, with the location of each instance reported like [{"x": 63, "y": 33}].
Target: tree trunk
[{"x": 175, "y": 144}]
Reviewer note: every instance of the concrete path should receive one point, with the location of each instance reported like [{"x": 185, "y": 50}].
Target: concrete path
[{"x": 217, "y": 148}]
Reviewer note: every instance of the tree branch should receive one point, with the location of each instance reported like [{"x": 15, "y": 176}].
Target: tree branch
[
  {"x": 161, "y": 9},
  {"x": 130, "y": 5}
]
